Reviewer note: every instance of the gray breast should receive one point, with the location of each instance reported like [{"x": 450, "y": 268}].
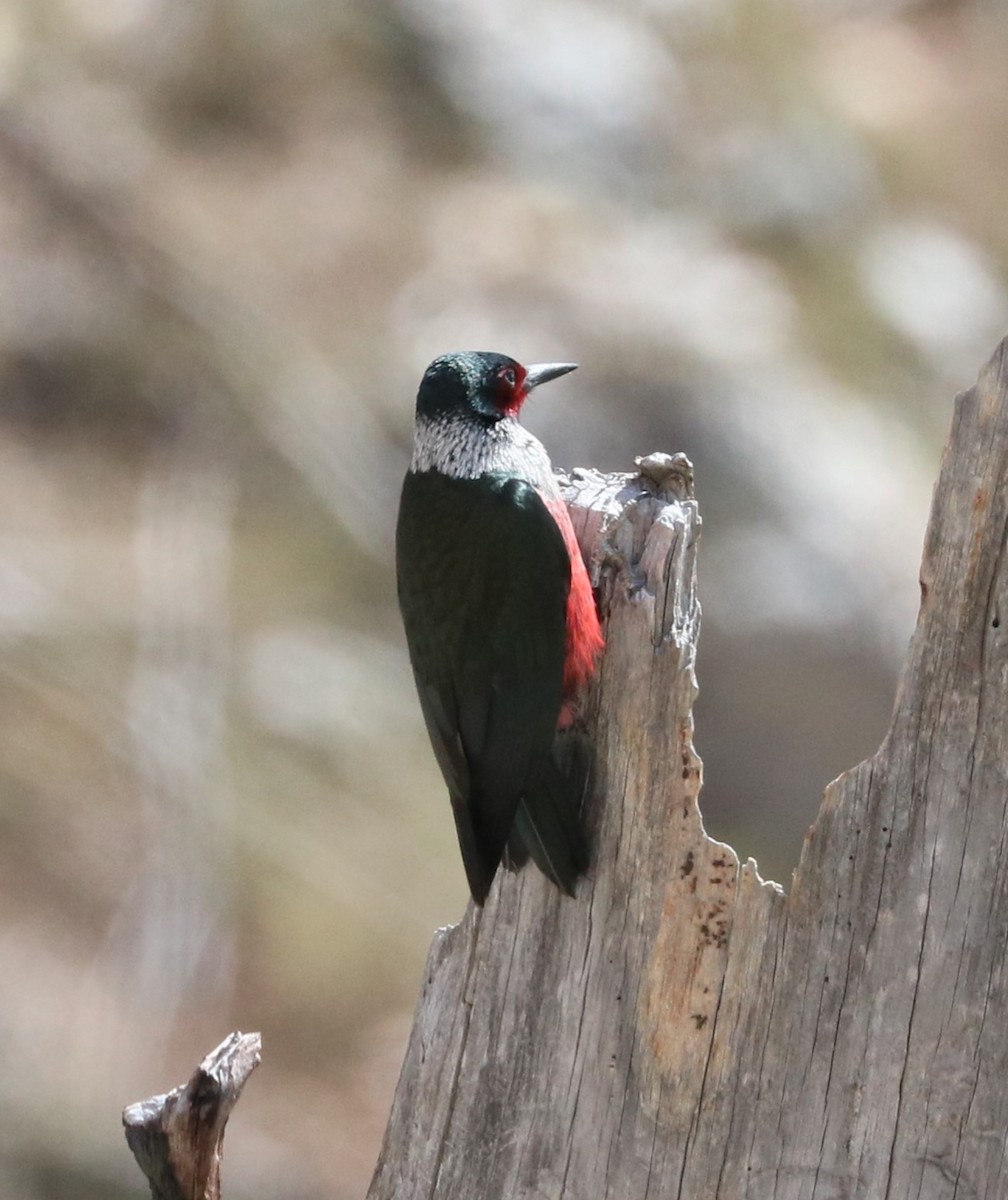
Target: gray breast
[{"x": 466, "y": 450}]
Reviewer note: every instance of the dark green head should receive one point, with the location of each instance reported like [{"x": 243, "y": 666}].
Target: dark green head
[{"x": 482, "y": 384}]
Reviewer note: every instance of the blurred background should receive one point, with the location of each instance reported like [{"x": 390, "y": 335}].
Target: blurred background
[{"x": 232, "y": 235}]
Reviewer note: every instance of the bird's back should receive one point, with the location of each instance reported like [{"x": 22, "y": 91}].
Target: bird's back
[{"x": 484, "y": 576}]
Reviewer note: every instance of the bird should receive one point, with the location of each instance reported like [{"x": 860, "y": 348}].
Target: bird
[{"x": 500, "y": 619}]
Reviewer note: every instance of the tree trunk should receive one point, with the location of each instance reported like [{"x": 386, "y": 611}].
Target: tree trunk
[{"x": 683, "y": 1029}]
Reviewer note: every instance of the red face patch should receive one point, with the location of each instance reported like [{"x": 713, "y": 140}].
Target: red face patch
[{"x": 510, "y": 393}]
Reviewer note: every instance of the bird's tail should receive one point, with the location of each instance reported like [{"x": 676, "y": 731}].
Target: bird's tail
[{"x": 547, "y": 826}]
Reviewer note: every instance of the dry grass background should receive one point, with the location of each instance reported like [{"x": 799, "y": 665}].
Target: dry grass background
[{"x": 232, "y": 234}]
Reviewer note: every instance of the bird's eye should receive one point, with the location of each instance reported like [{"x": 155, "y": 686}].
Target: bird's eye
[{"x": 508, "y": 376}]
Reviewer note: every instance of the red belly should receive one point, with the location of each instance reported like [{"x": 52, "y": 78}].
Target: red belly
[{"x": 584, "y": 634}]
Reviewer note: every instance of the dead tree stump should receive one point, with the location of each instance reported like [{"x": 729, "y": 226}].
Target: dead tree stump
[
  {"x": 683, "y": 1029},
  {"x": 178, "y": 1139}
]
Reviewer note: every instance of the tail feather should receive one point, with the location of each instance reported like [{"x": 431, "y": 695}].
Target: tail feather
[
  {"x": 548, "y": 829},
  {"x": 515, "y": 853}
]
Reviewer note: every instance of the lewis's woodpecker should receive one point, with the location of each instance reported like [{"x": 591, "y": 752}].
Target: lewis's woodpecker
[{"x": 499, "y": 614}]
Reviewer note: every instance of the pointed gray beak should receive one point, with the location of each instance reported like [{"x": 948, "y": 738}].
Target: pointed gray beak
[{"x": 544, "y": 372}]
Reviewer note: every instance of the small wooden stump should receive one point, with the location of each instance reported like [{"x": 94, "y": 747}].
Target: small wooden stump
[{"x": 178, "y": 1139}]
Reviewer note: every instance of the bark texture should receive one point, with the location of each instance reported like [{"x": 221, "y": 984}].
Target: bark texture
[
  {"x": 178, "y": 1139},
  {"x": 683, "y": 1029}
]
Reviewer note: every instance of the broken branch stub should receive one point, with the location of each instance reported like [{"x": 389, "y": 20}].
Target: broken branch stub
[{"x": 177, "y": 1139}]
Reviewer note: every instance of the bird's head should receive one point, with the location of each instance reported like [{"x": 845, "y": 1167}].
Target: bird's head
[{"x": 480, "y": 384}]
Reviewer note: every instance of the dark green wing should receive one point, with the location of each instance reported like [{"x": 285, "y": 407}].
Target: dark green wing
[{"x": 483, "y": 581}]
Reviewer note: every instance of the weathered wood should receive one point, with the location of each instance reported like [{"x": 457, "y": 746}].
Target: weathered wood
[
  {"x": 178, "y": 1139},
  {"x": 683, "y": 1029}
]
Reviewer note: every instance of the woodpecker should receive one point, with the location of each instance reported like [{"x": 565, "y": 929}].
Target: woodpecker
[{"x": 499, "y": 614}]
